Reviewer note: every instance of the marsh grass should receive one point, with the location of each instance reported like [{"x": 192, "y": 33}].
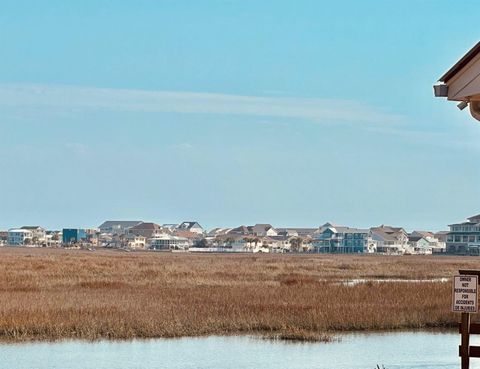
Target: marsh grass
[{"x": 57, "y": 294}]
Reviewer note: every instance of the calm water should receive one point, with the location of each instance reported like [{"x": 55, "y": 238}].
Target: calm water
[{"x": 394, "y": 350}]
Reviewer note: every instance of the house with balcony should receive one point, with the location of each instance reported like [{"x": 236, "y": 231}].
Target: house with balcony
[
  {"x": 38, "y": 234},
  {"x": 136, "y": 242},
  {"x": 336, "y": 239},
  {"x": 192, "y": 238},
  {"x": 167, "y": 242},
  {"x": 391, "y": 240},
  {"x": 19, "y": 237},
  {"x": 424, "y": 242},
  {"x": 464, "y": 238}
]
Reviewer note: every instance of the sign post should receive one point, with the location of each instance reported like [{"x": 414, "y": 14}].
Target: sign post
[{"x": 465, "y": 301}]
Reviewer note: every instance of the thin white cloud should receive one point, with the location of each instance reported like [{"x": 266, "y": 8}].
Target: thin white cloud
[
  {"x": 183, "y": 146},
  {"x": 77, "y": 148},
  {"x": 58, "y": 97}
]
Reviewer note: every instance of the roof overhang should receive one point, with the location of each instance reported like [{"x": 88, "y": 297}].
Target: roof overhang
[
  {"x": 462, "y": 81},
  {"x": 463, "y": 62}
]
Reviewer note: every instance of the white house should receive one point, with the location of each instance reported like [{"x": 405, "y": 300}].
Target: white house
[
  {"x": 193, "y": 227},
  {"x": 19, "y": 237},
  {"x": 264, "y": 230},
  {"x": 424, "y": 242},
  {"x": 218, "y": 232},
  {"x": 38, "y": 234},
  {"x": 168, "y": 242}
]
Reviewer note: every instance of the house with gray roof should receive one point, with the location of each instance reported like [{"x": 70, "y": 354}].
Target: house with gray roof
[
  {"x": 241, "y": 230},
  {"x": 259, "y": 230},
  {"x": 117, "y": 226},
  {"x": 332, "y": 238},
  {"x": 218, "y": 232},
  {"x": 146, "y": 229},
  {"x": 295, "y": 231},
  {"x": 263, "y": 230},
  {"x": 441, "y": 236},
  {"x": 191, "y": 227},
  {"x": 391, "y": 240}
]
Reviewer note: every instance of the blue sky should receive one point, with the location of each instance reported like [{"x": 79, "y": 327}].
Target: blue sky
[{"x": 234, "y": 112}]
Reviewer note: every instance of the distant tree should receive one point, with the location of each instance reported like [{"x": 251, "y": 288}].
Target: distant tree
[
  {"x": 249, "y": 240},
  {"x": 296, "y": 244},
  {"x": 201, "y": 243},
  {"x": 27, "y": 241},
  {"x": 123, "y": 240}
]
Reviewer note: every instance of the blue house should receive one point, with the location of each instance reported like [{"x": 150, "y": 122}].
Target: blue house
[
  {"x": 73, "y": 235},
  {"x": 331, "y": 238}
]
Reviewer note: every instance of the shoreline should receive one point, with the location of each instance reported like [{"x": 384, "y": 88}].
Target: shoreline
[{"x": 335, "y": 337}]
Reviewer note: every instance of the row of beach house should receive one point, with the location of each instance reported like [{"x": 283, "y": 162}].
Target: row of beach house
[{"x": 462, "y": 238}]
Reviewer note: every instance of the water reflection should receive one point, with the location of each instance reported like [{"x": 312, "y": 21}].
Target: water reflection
[
  {"x": 354, "y": 282},
  {"x": 355, "y": 351}
]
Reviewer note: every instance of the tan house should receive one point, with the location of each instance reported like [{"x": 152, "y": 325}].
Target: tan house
[
  {"x": 136, "y": 242},
  {"x": 391, "y": 240},
  {"x": 147, "y": 230}
]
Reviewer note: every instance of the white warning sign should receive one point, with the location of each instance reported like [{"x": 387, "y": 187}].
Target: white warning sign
[{"x": 465, "y": 297}]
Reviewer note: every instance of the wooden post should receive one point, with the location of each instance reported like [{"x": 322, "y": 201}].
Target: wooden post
[
  {"x": 465, "y": 348},
  {"x": 465, "y": 327}
]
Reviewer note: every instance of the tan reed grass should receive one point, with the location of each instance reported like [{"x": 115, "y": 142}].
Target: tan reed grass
[{"x": 48, "y": 294}]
